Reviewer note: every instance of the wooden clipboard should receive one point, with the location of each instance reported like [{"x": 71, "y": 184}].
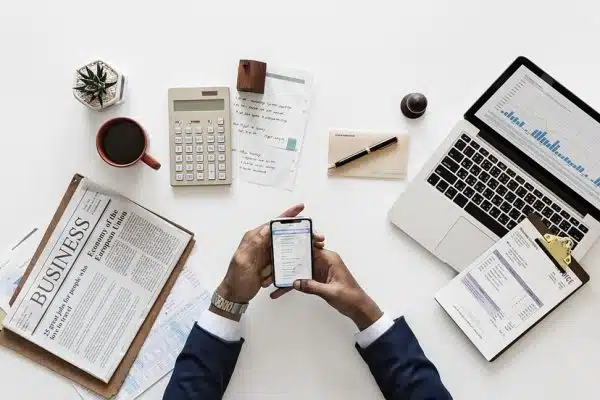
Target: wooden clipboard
[{"x": 26, "y": 348}]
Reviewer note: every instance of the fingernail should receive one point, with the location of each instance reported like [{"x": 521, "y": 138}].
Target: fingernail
[
  {"x": 264, "y": 230},
  {"x": 297, "y": 284}
]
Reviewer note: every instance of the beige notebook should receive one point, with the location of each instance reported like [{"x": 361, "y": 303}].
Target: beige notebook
[{"x": 387, "y": 163}]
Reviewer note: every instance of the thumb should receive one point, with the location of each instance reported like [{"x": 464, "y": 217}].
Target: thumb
[{"x": 311, "y": 286}]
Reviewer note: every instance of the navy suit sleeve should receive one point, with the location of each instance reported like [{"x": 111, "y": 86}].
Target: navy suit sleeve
[
  {"x": 204, "y": 367},
  {"x": 400, "y": 367}
]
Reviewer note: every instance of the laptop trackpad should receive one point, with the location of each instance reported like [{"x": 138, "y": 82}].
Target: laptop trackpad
[{"x": 463, "y": 244}]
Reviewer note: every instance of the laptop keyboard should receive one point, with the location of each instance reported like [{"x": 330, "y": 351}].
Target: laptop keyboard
[{"x": 494, "y": 194}]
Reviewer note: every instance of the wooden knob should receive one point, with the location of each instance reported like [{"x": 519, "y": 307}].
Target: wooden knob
[
  {"x": 413, "y": 105},
  {"x": 251, "y": 76}
]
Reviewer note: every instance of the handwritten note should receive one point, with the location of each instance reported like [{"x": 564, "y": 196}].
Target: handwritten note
[{"x": 269, "y": 129}]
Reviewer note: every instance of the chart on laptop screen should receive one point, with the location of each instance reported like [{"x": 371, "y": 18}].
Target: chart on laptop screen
[{"x": 549, "y": 128}]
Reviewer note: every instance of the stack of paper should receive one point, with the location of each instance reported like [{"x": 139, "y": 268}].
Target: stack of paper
[
  {"x": 269, "y": 128},
  {"x": 166, "y": 339}
]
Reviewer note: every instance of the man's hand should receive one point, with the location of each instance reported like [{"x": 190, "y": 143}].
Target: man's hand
[
  {"x": 250, "y": 267},
  {"x": 335, "y": 284}
]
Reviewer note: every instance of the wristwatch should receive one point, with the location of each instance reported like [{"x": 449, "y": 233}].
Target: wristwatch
[{"x": 228, "y": 306}]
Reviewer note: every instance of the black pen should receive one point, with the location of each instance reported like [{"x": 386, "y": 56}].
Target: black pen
[{"x": 363, "y": 152}]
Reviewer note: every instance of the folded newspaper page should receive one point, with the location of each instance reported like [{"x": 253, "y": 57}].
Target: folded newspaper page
[{"x": 96, "y": 280}]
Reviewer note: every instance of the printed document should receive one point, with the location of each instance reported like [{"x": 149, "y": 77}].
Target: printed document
[
  {"x": 96, "y": 280},
  {"x": 506, "y": 290},
  {"x": 13, "y": 264},
  {"x": 157, "y": 357},
  {"x": 269, "y": 128}
]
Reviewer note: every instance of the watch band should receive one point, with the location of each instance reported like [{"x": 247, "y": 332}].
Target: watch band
[{"x": 228, "y": 306}]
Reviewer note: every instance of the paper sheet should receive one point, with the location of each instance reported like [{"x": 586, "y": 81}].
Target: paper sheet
[
  {"x": 166, "y": 339},
  {"x": 269, "y": 128},
  {"x": 14, "y": 262}
]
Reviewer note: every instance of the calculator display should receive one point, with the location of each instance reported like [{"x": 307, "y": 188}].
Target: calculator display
[{"x": 199, "y": 105}]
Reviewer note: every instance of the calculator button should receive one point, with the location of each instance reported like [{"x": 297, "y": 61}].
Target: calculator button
[
  {"x": 178, "y": 167},
  {"x": 178, "y": 140},
  {"x": 221, "y": 148},
  {"x": 221, "y": 157},
  {"x": 199, "y": 157},
  {"x": 189, "y": 167},
  {"x": 221, "y": 138},
  {"x": 189, "y": 158},
  {"x": 198, "y": 138},
  {"x": 189, "y": 149},
  {"x": 178, "y": 177},
  {"x": 211, "y": 167},
  {"x": 199, "y": 167},
  {"x": 222, "y": 167},
  {"x": 220, "y": 121},
  {"x": 188, "y": 129},
  {"x": 200, "y": 176},
  {"x": 210, "y": 139},
  {"x": 189, "y": 177},
  {"x": 198, "y": 129},
  {"x": 220, "y": 129},
  {"x": 211, "y": 158},
  {"x": 178, "y": 158},
  {"x": 199, "y": 149},
  {"x": 178, "y": 149},
  {"x": 222, "y": 176},
  {"x": 188, "y": 140},
  {"x": 211, "y": 175},
  {"x": 178, "y": 130},
  {"x": 211, "y": 148},
  {"x": 210, "y": 129}
]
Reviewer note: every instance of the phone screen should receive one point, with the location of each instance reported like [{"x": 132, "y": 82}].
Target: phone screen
[{"x": 292, "y": 250}]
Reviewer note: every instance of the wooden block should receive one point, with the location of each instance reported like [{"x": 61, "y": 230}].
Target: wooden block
[{"x": 251, "y": 76}]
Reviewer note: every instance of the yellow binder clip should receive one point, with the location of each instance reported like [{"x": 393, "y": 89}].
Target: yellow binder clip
[{"x": 558, "y": 249}]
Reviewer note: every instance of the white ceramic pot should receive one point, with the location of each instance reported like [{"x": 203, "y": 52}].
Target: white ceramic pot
[{"x": 113, "y": 84}]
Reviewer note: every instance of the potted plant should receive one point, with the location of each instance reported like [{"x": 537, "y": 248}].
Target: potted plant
[{"x": 97, "y": 85}]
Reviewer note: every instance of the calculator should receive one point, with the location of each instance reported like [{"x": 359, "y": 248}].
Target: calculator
[{"x": 199, "y": 136}]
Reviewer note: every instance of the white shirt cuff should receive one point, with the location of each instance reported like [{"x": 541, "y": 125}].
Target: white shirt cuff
[
  {"x": 221, "y": 327},
  {"x": 366, "y": 337}
]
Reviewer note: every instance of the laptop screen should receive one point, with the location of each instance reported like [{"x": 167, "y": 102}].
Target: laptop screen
[{"x": 549, "y": 128}]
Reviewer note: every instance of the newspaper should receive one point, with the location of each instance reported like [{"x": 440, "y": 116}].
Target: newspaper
[
  {"x": 157, "y": 357},
  {"x": 96, "y": 280}
]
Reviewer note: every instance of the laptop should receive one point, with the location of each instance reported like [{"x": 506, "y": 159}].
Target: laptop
[{"x": 528, "y": 145}]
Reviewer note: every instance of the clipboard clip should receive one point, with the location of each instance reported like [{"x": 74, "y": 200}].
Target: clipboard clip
[{"x": 558, "y": 249}]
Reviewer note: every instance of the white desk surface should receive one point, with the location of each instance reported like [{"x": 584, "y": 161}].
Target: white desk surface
[{"x": 364, "y": 57}]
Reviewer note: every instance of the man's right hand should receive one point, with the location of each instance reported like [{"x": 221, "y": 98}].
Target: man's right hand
[{"x": 334, "y": 283}]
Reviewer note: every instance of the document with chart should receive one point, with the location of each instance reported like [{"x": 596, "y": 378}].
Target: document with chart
[{"x": 508, "y": 289}]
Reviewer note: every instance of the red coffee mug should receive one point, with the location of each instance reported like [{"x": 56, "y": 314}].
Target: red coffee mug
[{"x": 121, "y": 142}]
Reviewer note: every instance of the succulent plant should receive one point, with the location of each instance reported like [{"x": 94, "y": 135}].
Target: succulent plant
[{"x": 94, "y": 84}]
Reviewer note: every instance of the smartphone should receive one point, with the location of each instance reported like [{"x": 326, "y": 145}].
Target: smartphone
[{"x": 292, "y": 250}]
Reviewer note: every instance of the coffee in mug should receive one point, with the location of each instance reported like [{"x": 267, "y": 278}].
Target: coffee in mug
[{"x": 122, "y": 142}]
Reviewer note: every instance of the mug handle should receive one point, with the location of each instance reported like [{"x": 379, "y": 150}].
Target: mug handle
[{"x": 150, "y": 161}]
